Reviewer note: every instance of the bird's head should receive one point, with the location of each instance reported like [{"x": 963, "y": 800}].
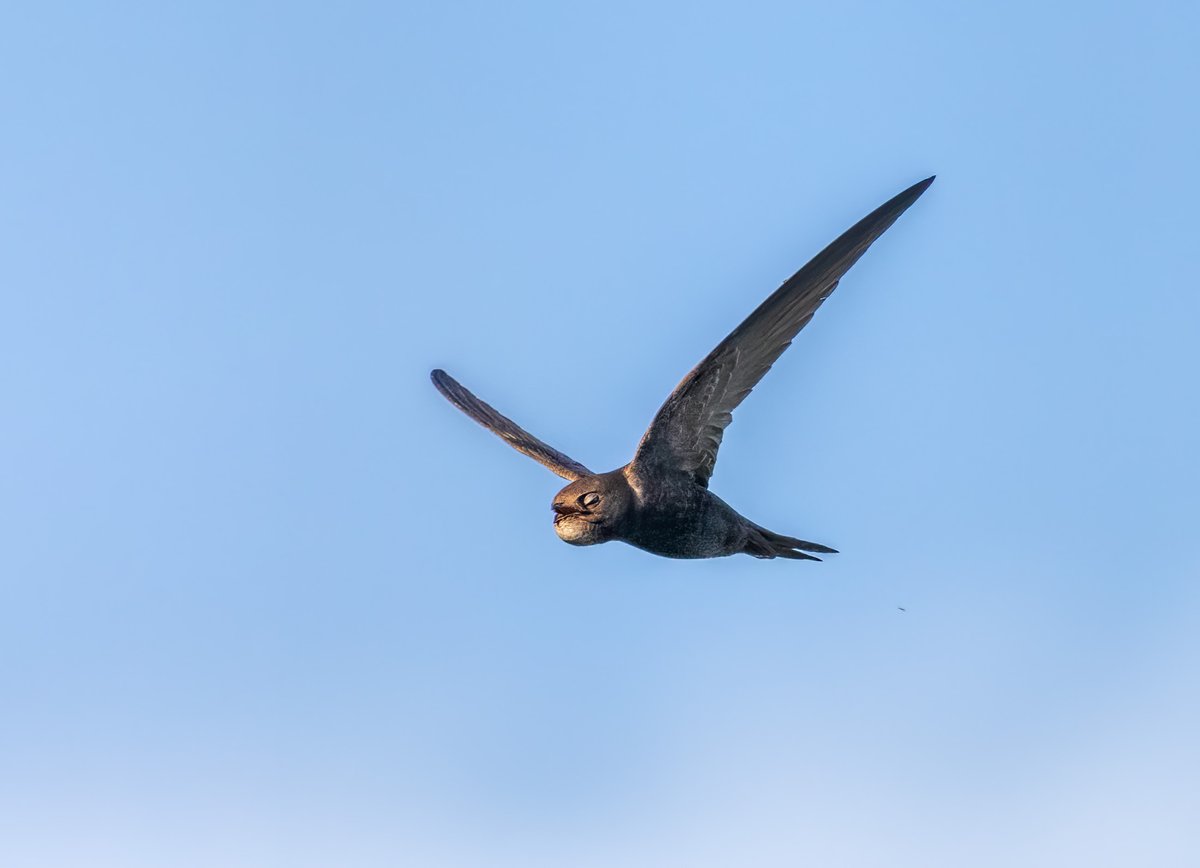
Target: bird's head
[{"x": 591, "y": 509}]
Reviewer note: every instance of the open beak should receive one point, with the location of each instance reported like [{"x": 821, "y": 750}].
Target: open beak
[{"x": 562, "y": 510}]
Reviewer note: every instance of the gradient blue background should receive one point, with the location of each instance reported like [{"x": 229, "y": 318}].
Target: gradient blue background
[{"x": 268, "y": 600}]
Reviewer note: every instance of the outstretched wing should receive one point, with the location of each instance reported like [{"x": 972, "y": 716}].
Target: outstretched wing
[
  {"x": 516, "y": 436},
  {"x": 686, "y": 433}
]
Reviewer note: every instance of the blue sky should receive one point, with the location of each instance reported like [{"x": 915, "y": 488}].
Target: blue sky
[{"x": 268, "y": 600}]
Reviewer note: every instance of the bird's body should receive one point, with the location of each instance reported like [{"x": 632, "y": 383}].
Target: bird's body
[
  {"x": 660, "y": 501},
  {"x": 678, "y": 519},
  {"x": 672, "y": 517}
]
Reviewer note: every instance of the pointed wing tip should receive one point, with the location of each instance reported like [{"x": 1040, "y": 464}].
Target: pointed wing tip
[
  {"x": 914, "y": 192},
  {"x": 878, "y": 221}
]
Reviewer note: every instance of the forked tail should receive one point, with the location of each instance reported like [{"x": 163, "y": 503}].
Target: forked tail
[{"x": 763, "y": 543}]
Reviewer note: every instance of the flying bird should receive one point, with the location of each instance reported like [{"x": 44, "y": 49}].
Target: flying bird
[{"x": 660, "y": 501}]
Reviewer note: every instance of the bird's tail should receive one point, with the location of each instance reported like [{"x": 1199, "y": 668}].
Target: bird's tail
[{"x": 763, "y": 543}]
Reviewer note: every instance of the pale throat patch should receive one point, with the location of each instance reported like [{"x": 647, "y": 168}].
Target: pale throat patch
[{"x": 572, "y": 531}]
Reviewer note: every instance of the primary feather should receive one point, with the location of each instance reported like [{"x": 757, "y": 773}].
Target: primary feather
[{"x": 686, "y": 432}]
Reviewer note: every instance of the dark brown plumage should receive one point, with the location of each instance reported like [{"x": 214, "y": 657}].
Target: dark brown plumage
[{"x": 660, "y": 501}]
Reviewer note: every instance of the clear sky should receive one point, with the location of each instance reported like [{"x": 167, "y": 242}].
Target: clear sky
[{"x": 266, "y": 599}]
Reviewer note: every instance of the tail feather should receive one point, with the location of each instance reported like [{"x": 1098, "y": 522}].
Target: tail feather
[
  {"x": 763, "y": 543},
  {"x": 802, "y": 544},
  {"x": 794, "y": 555}
]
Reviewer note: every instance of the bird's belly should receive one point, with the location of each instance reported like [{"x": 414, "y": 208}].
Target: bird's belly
[{"x": 693, "y": 530}]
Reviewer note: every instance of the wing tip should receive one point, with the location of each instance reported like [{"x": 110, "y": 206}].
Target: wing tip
[
  {"x": 442, "y": 381},
  {"x": 450, "y": 389},
  {"x": 914, "y": 192},
  {"x": 880, "y": 220}
]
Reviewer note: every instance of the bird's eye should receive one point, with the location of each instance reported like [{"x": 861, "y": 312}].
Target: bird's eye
[{"x": 589, "y": 500}]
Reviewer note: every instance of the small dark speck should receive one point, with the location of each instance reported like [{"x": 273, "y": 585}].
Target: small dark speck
[{"x": 902, "y": 609}]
